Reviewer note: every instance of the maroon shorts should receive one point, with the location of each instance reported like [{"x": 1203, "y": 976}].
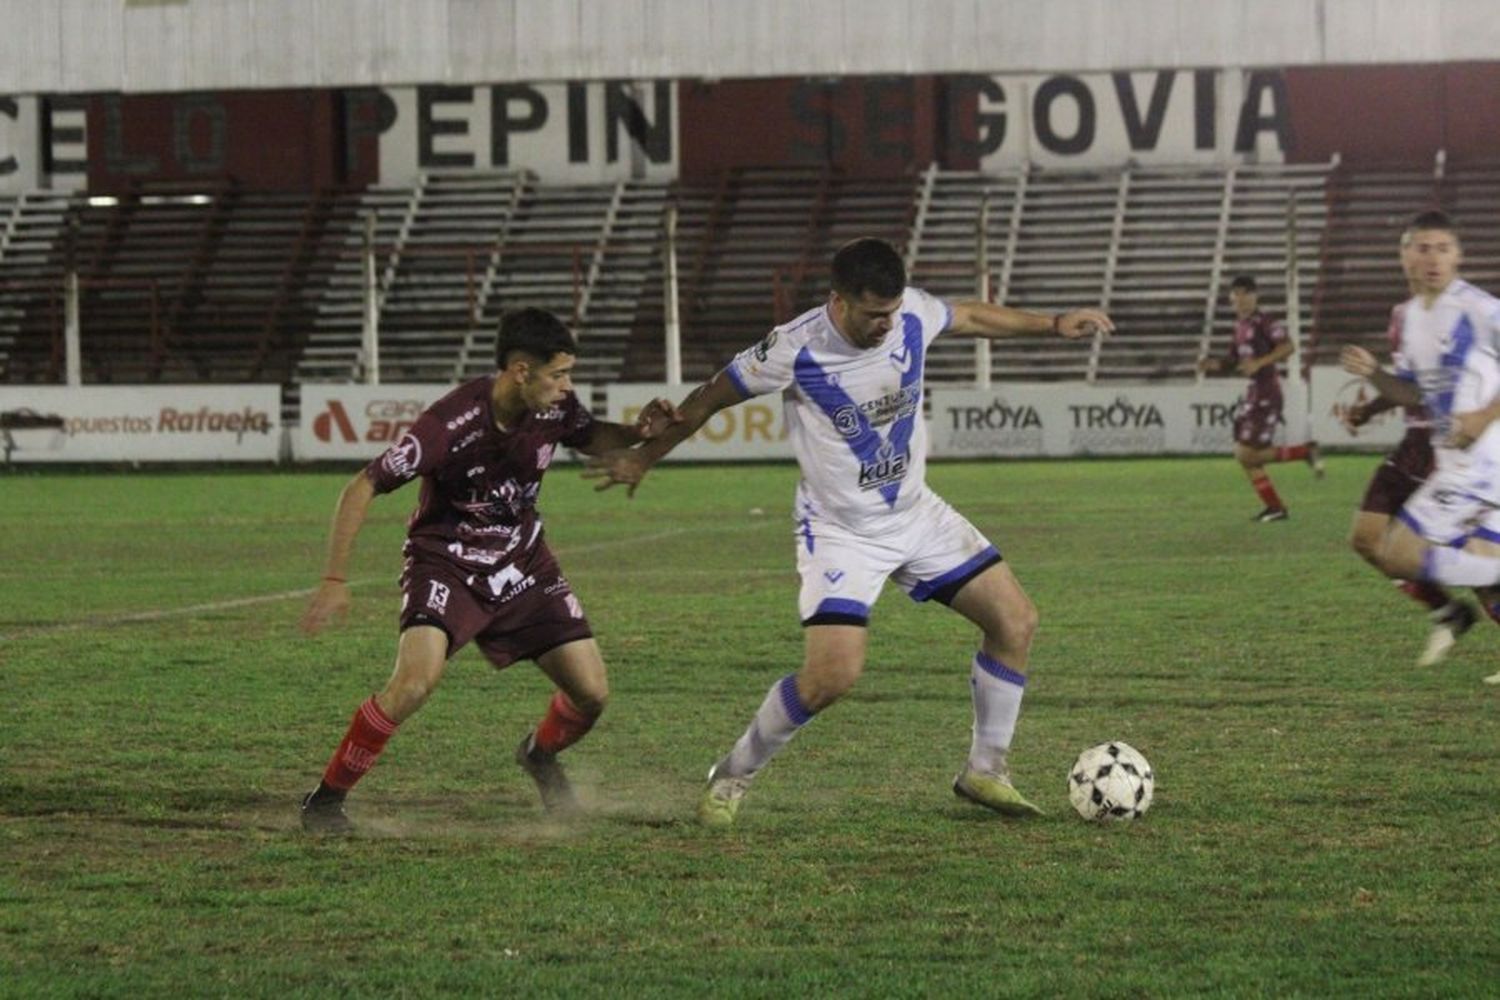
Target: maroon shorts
[
  {"x": 1256, "y": 422},
  {"x": 517, "y": 613},
  {"x": 1399, "y": 476}
]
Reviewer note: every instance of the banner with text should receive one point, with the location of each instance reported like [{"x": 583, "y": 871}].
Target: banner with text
[
  {"x": 197, "y": 423},
  {"x": 755, "y": 429},
  {"x": 361, "y": 421}
]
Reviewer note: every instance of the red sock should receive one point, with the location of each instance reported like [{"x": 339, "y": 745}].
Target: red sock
[
  {"x": 1429, "y": 594},
  {"x": 563, "y": 725},
  {"x": 363, "y": 742},
  {"x": 1292, "y": 453},
  {"x": 1262, "y": 484}
]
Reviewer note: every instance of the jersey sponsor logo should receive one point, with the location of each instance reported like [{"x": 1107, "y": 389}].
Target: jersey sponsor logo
[
  {"x": 574, "y": 608},
  {"x": 437, "y": 596},
  {"x": 556, "y": 586},
  {"x": 510, "y": 582},
  {"x": 402, "y": 458},
  {"x": 886, "y": 468},
  {"x": 551, "y": 413},
  {"x": 846, "y": 420},
  {"x": 544, "y": 456},
  {"x": 466, "y": 440},
  {"x": 762, "y": 350}
]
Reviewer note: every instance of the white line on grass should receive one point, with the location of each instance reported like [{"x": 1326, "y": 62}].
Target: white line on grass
[{"x": 160, "y": 614}]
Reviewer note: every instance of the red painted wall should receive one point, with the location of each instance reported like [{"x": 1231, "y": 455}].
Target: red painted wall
[{"x": 1395, "y": 114}]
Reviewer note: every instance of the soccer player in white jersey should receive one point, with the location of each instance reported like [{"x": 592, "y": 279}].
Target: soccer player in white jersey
[
  {"x": 1448, "y": 532},
  {"x": 850, "y": 372}
]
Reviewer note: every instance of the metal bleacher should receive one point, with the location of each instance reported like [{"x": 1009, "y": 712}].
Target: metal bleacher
[{"x": 222, "y": 284}]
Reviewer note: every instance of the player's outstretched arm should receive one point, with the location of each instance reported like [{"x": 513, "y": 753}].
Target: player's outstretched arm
[
  {"x": 1357, "y": 361},
  {"x": 985, "y": 319},
  {"x": 654, "y": 418},
  {"x": 331, "y": 599},
  {"x": 628, "y": 466}
]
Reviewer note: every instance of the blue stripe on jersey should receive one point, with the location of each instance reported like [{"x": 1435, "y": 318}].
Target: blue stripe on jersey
[
  {"x": 846, "y": 417},
  {"x": 843, "y": 606},
  {"x": 1460, "y": 343},
  {"x": 926, "y": 588},
  {"x": 739, "y": 383}
]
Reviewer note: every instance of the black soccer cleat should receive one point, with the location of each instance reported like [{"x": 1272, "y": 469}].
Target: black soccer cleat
[
  {"x": 1271, "y": 514},
  {"x": 551, "y": 782},
  {"x": 325, "y": 815}
]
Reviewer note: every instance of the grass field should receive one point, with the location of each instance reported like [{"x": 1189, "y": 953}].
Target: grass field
[{"x": 1324, "y": 825}]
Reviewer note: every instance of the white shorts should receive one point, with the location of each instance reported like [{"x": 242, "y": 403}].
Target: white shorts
[
  {"x": 1458, "y": 501},
  {"x": 930, "y": 550}
]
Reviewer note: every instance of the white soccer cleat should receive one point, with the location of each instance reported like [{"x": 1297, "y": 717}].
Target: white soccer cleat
[
  {"x": 1446, "y": 631},
  {"x": 721, "y": 800},
  {"x": 1493, "y": 678}
]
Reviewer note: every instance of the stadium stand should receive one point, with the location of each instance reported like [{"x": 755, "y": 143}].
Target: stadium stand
[{"x": 218, "y": 283}]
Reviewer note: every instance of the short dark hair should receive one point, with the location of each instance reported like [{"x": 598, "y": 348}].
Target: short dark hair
[
  {"x": 1245, "y": 281},
  {"x": 1432, "y": 219},
  {"x": 868, "y": 265},
  {"x": 536, "y": 333}
]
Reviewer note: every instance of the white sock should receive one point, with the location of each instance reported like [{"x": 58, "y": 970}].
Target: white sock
[
  {"x": 1458, "y": 568},
  {"x": 776, "y": 721},
  {"x": 997, "y": 703}
]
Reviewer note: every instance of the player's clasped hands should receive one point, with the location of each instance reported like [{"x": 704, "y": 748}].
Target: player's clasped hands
[{"x": 655, "y": 417}]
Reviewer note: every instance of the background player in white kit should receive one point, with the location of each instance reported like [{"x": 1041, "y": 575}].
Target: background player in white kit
[
  {"x": 851, "y": 371},
  {"x": 1448, "y": 532}
]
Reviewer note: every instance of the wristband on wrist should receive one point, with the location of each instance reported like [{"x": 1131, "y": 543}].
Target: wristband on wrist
[
  {"x": 1057, "y": 323},
  {"x": 335, "y": 579}
]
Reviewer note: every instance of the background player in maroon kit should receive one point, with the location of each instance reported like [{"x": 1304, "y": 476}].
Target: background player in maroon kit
[
  {"x": 477, "y": 566},
  {"x": 1260, "y": 344}
]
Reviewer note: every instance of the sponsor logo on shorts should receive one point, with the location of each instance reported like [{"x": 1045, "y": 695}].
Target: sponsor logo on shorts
[
  {"x": 437, "y": 596},
  {"x": 402, "y": 458}
]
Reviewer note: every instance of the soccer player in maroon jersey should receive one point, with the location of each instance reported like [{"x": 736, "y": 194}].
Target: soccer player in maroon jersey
[
  {"x": 477, "y": 566},
  {"x": 1260, "y": 344}
]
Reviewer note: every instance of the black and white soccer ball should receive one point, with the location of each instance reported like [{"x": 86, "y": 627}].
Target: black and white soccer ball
[{"x": 1111, "y": 781}]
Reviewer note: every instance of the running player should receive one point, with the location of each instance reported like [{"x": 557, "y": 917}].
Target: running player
[
  {"x": 1260, "y": 344},
  {"x": 477, "y": 566},
  {"x": 1448, "y": 531},
  {"x": 1396, "y": 479},
  {"x": 851, "y": 376}
]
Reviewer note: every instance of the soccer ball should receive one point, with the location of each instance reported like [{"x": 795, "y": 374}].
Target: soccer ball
[{"x": 1111, "y": 781}]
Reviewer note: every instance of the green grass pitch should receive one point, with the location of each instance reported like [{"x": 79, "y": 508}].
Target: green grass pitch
[{"x": 1324, "y": 822}]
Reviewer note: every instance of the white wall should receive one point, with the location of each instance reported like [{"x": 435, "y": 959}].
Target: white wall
[{"x": 63, "y": 46}]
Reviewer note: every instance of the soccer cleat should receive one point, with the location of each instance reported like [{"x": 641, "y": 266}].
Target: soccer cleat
[
  {"x": 993, "y": 790},
  {"x": 1271, "y": 514},
  {"x": 1448, "y": 627},
  {"x": 1493, "y": 678},
  {"x": 1315, "y": 460},
  {"x": 325, "y": 815},
  {"x": 551, "y": 782},
  {"x": 721, "y": 799}
]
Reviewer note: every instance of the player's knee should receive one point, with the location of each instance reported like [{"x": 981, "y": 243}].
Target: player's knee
[
  {"x": 591, "y": 700},
  {"x": 404, "y": 695},
  {"x": 1366, "y": 545},
  {"x": 1015, "y": 626},
  {"x": 822, "y": 683}
]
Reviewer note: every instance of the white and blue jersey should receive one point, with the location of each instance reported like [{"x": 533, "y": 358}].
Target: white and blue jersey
[
  {"x": 864, "y": 513},
  {"x": 854, "y": 414},
  {"x": 1451, "y": 351}
]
